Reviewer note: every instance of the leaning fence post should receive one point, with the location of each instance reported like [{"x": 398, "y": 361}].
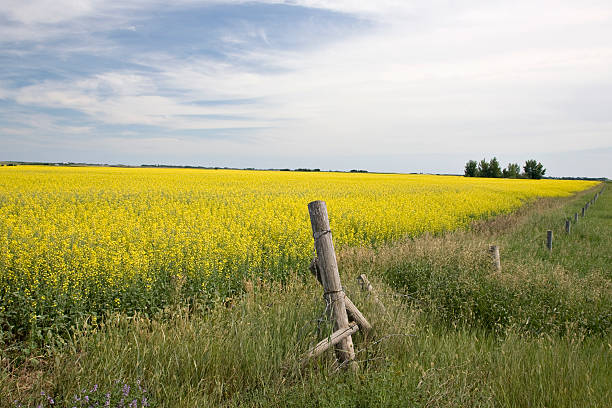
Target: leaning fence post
[
  {"x": 494, "y": 251},
  {"x": 568, "y": 226},
  {"x": 332, "y": 340},
  {"x": 351, "y": 310},
  {"x": 330, "y": 277},
  {"x": 549, "y": 237}
]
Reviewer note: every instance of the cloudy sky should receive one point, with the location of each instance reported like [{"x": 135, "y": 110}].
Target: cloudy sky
[{"x": 388, "y": 85}]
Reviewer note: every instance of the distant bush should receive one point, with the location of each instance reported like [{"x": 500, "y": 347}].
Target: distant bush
[
  {"x": 484, "y": 168},
  {"x": 512, "y": 171},
  {"x": 471, "y": 168},
  {"x": 532, "y": 169}
]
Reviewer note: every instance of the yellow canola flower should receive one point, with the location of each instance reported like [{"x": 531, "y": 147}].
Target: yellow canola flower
[{"x": 96, "y": 238}]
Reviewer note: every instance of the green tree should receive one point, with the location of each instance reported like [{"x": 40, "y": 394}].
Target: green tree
[
  {"x": 483, "y": 169},
  {"x": 494, "y": 169},
  {"x": 471, "y": 169},
  {"x": 533, "y": 169},
  {"x": 512, "y": 171}
]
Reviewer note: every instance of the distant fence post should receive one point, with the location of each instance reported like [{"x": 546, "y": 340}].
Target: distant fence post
[
  {"x": 330, "y": 277},
  {"x": 568, "y": 226},
  {"x": 367, "y": 286},
  {"x": 575, "y": 217},
  {"x": 583, "y": 211},
  {"x": 549, "y": 239},
  {"x": 494, "y": 251}
]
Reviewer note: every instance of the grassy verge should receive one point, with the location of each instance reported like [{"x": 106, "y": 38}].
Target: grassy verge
[
  {"x": 455, "y": 332},
  {"x": 565, "y": 290}
]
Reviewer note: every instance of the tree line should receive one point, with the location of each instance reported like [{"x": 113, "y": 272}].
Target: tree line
[{"x": 531, "y": 170}]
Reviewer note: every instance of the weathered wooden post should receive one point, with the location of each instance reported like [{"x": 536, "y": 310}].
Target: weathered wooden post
[
  {"x": 583, "y": 211},
  {"x": 330, "y": 277},
  {"x": 549, "y": 237},
  {"x": 332, "y": 340},
  {"x": 351, "y": 310},
  {"x": 494, "y": 251},
  {"x": 568, "y": 226},
  {"x": 367, "y": 286},
  {"x": 575, "y": 217}
]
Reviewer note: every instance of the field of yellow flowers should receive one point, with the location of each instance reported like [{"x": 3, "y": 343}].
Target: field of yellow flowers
[{"x": 76, "y": 243}]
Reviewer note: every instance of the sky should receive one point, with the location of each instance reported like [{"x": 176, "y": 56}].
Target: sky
[{"x": 387, "y": 85}]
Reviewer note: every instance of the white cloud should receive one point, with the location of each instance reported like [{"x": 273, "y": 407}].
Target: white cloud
[
  {"x": 46, "y": 11},
  {"x": 128, "y": 98}
]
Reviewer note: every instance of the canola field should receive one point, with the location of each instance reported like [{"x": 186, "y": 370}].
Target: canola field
[{"x": 79, "y": 242}]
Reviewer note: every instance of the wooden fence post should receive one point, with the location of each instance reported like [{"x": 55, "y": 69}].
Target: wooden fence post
[
  {"x": 583, "y": 211},
  {"x": 575, "y": 217},
  {"x": 330, "y": 277},
  {"x": 351, "y": 310},
  {"x": 494, "y": 251},
  {"x": 549, "y": 239},
  {"x": 332, "y": 340},
  {"x": 568, "y": 226},
  {"x": 367, "y": 286}
]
